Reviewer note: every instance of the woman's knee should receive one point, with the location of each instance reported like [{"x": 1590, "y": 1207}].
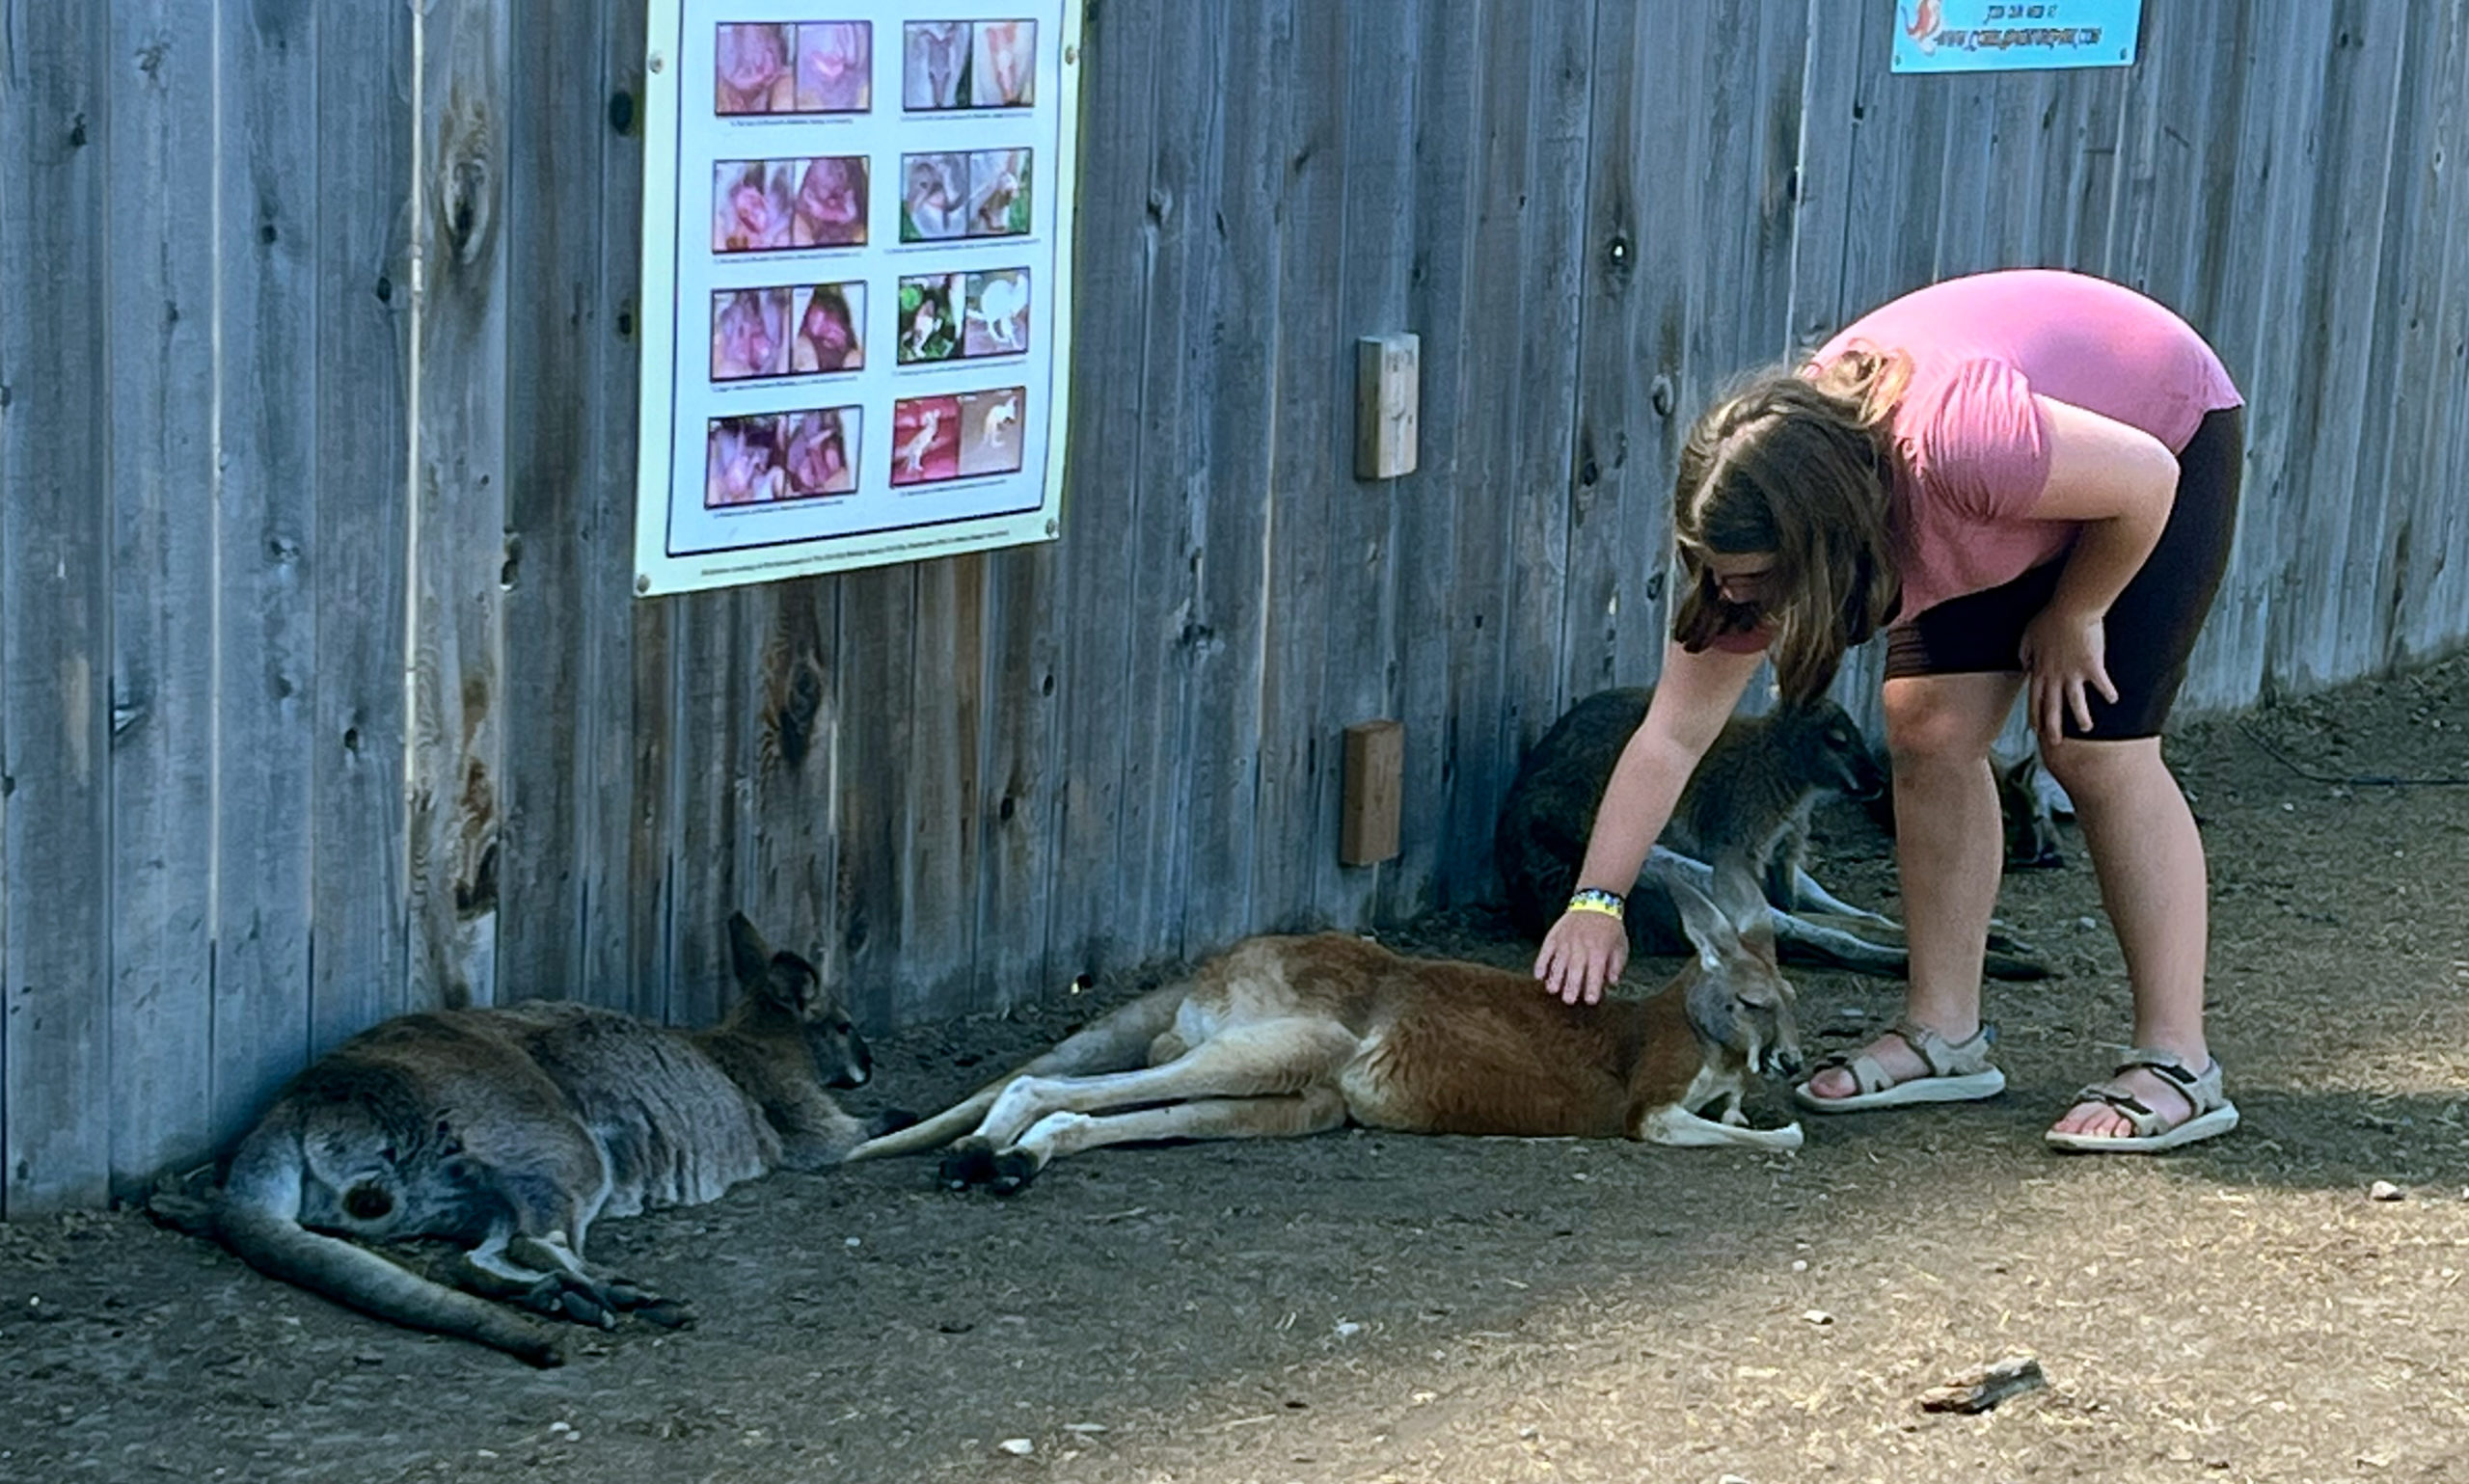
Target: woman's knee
[
  {"x": 2089, "y": 770},
  {"x": 1927, "y": 726}
]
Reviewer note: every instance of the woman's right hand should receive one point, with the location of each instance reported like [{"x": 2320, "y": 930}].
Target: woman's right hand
[{"x": 1584, "y": 953}]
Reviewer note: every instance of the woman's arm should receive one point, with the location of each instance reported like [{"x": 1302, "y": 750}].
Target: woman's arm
[
  {"x": 2120, "y": 482},
  {"x": 1587, "y": 951}
]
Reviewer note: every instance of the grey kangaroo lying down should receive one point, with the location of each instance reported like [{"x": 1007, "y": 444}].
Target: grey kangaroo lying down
[
  {"x": 508, "y": 1131},
  {"x": 1284, "y": 1036},
  {"x": 1746, "y": 810}
]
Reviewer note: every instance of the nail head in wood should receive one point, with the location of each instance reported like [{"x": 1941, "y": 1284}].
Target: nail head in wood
[{"x": 1375, "y": 772}]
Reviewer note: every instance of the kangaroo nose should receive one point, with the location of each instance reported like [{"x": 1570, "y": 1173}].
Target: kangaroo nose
[{"x": 1784, "y": 1060}]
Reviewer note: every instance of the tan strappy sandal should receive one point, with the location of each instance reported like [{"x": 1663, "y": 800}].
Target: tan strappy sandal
[
  {"x": 1958, "y": 1073},
  {"x": 2213, "y": 1115}
]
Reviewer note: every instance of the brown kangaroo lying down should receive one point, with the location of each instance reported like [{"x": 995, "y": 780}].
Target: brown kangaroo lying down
[
  {"x": 1746, "y": 810},
  {"x": 508, "y": 1131},
  {"x": 1283, "y": 1037}
]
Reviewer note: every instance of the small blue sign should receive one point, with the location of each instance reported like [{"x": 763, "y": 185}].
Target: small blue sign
[{"x": 2014, "y": 35}]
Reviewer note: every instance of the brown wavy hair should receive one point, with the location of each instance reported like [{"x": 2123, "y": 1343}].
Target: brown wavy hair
[{"x": 1794, "y": 460}]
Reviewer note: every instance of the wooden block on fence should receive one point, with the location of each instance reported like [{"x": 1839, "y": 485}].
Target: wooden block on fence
[
  {"x": 1375, "y": 775},
  {"x": 1388, "y": 404}
]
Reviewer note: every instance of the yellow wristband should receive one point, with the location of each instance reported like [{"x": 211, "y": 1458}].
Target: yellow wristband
[{"x": 1594, "y": 899}]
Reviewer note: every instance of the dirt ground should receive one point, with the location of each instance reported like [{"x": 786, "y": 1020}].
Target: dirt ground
[{"x": 1368, "y": 1307}]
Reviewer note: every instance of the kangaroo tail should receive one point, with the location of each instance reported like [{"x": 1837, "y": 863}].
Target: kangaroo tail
[
  {"x": 1117, "y": 1041},
  {"x": 359, "y": 1278}
]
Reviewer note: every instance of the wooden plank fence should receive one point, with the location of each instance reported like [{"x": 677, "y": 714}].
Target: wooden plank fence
[{"x": 323, "y": 694}]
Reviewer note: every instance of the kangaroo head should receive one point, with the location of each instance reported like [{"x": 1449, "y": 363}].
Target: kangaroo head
[
  {"x": 782, "y": 984},
  {"x": 1827, "y": 751},
  {"x": 1739, "y": 999},
  {"x": 378, "y": 1172},
  {"x": 2032, "y": 830}
]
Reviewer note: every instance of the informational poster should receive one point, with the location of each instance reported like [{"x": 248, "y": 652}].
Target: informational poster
[
  {"x": 856, "y": 283},
  {"x": 2001, "y": 35}
]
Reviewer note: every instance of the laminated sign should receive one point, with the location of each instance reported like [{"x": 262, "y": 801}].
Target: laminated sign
[
  {"x": 2012, "y": 36},
  {"x": 856, "y": 283}
]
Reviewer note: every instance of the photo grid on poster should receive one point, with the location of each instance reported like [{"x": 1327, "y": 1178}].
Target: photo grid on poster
[{"x": 865, "y": 269}]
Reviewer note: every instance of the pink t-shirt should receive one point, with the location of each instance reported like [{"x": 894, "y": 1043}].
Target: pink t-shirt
[{"x": 1971, "y": 450}]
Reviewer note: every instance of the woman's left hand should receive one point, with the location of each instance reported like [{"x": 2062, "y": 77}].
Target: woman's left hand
[{"x": 2066, "y": 653}]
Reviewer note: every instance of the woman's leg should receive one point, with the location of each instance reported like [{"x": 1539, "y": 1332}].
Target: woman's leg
[
  {"x": 1949, "y": 850},
  {"x": 2149, "y": 857}
]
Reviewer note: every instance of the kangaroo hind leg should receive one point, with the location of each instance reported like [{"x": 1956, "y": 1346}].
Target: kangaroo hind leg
[
  {"x": 1271, "y": 1064},
  {"x": 1315, "y": 1110}
]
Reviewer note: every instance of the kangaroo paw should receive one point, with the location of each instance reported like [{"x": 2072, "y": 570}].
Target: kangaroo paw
[
  {"x": 2009, "y": 965},
  {"x": 667, "y": 1315},
  {"x": 890, "y": 1120},
  {"x": 968, "y": 1164},
  {"x": 1014, "y": 1169}
]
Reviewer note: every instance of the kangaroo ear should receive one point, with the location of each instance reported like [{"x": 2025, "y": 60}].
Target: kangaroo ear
[
  {"x": 796, "y": 982},
  {"x": 1738, "y": 897},
  {"x": 1706, "y": 924},
  {"x": 748, "y": 955}
]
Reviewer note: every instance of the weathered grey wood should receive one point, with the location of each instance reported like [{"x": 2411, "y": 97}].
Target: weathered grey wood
[
  {"x": 789, "y": 891},
  {"x": 161, "y": 572},
  {"x": 458, "y": 477},
  {"x": 2257, "y": 328},
  {"x": 1124, "y": 552},
  {"x": 1359, "y": 669},
  {"x": 55, "y": 665},
  {"x": 878, "y": 608},
  {"x": 1231, "y": 434},
  {"x": 2431, "y": 414},
  {"x": 556, "y": 129},
  {"x": 1295, "y": 811},
  {"x": 1486, "y": 408},
  {"x": 712, "y": 759},
  {"x": 1534, "y": 493},
  {"x": 2390, "y": 456},
  {"x": 961, "y": 783},
  {"x": 266, "y": 619},
  {"x": 1443, "y": 307},
  {"x": 1018, "y": 804},
  {"x": 357, "y": 892},
  {"x": 2325, "y": 635},
  {"x": 625, "y": 727},
  {"x": 1821, "y": 218},
  {"x": 943, "y": 695}
]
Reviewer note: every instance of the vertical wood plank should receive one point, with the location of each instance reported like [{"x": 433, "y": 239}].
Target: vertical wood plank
[
  {"x": 265, "y": 621},
  {"x": 1473, "y": 626},
  {"x": 2406, "y": 377},
  {"x": 1236, "y": 419},
  {"x": 2435, "y": 578},
  {"x": 789, "y": 891},
  {"x": 55, "y": 620},
  {"x": 1017, "y": 805},
  {"x": 1360, "y": 638},
  {"x": 1310, "y": 395},
  {"x": 1113, "y": 855},
  {"x": 158, "y": 70},
  {"x": 2325, "y": 633},
  {"x": 1442, "y": 308},
  {"x": 711, "y": 791},
  {"x": 357, "y": 893},
  {"x": 459, "y": 477},
  {"x": 557, "y": 125},
  {"x": 2257, "y": 328},
  {"x": 1821, "y": 197},
  {"x": 624, "y": 726},
  {"x": 943, "y": 684},
  {"x": 1534, "y": 493},
  {"x": 878, "y": 608}
]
